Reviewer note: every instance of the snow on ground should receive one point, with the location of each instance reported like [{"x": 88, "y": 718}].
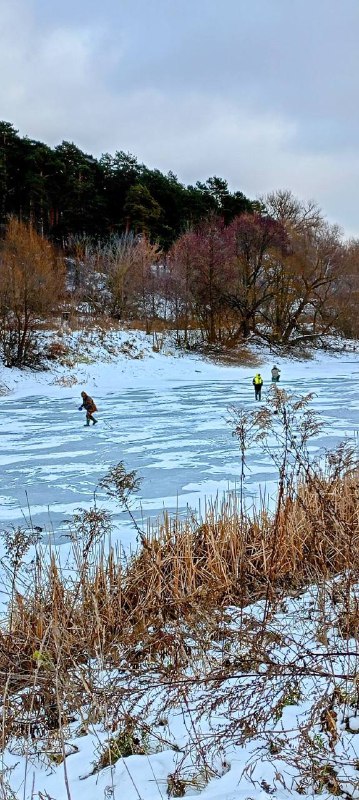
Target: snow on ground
[
  {"x": 164, "y": 414},
  {"x": 271, "y": 762}
]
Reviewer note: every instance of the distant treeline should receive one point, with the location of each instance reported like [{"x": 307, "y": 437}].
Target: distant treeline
[
  {"x": 62, "y": 191},
  {"x": 128, "y": 243}
]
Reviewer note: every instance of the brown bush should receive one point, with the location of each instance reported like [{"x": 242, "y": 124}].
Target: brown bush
[{"x": 56, "y": 351}]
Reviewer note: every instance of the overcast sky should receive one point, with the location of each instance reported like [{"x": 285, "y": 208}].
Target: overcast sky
[{"x": 261, "y": 92}]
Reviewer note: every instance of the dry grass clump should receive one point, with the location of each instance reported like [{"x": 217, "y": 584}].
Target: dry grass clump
[
  {"x": 322, "y": 526},
  {"x": 65, "y": 380},
  {"x": 180, "y": 569},
  {"x": 231, "y": 559},
  {"x": 234, "y": 356},
  {"x": 126, "y": 742}
]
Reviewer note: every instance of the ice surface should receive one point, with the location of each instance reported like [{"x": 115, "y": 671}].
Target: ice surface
[{"x": 165, "y": 418}]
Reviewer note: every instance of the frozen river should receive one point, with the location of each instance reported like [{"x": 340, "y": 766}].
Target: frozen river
[{"x": 176, "y": 437}]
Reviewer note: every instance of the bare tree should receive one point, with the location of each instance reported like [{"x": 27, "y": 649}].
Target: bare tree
[
  {"x": 302, "y": 303},
  {"x": 257, "y": 245},
  {"x": 200, "y": 261},
  {"x": 347, "y": 290},
  {"x": 32, "y": 281},
  {"x": 145, "y": 281},
  {"x": 284, "y": 207}
]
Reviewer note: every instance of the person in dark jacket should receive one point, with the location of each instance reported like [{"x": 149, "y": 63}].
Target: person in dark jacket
[
  {"x": 89, "y": 405},
  {"x": 257, "y": 383},
  {"x": 275, "y": 372}
]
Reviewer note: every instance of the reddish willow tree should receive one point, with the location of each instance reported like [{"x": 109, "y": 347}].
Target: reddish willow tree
[
  {"x": 257, "y": 275},
  {"x": 199, "y": 263},
  {"x": 221, "y": 273}
]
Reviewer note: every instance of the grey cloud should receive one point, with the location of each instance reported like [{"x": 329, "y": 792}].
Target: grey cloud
[{"x": 263, "y": 93}]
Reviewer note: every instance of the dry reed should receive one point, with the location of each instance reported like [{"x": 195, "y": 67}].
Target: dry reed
[{"x": 183, "y": 567}]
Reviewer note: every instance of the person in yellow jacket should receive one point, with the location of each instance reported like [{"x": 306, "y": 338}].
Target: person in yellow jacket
[{"x": 258, "y": 383}]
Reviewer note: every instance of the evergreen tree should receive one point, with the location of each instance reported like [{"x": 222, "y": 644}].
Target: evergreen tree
[
  {"x": 10, "y": 148},
  {"x": 63, "y": 191},
  {"x": 141, "y": 210}
]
